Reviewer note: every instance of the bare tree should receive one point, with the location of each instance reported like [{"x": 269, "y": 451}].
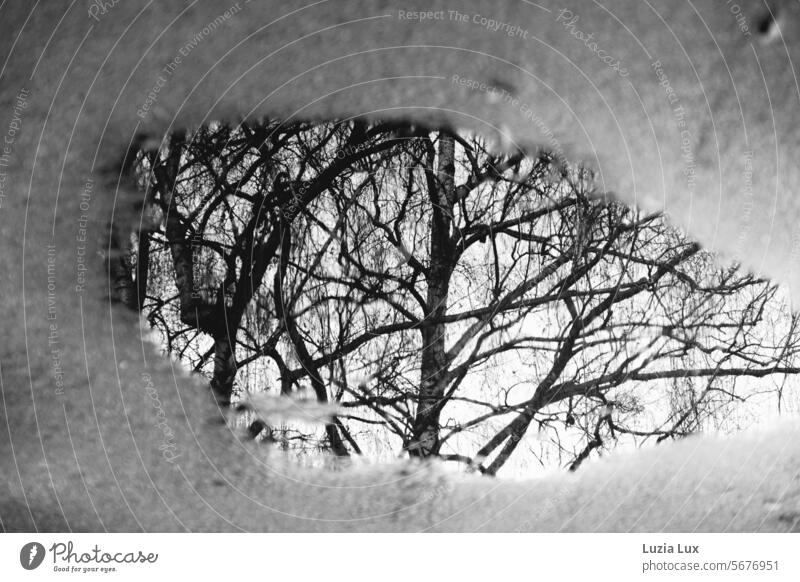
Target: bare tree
[
  {"x": 438, "y": 290},
  {"x": 226, "y": 201}
]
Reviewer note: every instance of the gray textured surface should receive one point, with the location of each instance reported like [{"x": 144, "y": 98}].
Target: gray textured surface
[{"x": 89, "y": 458}]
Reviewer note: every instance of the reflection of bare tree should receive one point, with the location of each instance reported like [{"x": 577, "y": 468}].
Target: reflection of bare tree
[
  {"x": 442, "y": 294},
  {"x": 228, "y": 199}
]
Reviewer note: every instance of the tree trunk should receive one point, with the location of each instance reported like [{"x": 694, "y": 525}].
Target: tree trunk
[
  {"x": 424, "y": 440},
  {"x": 224, "y": 369},
  {"x": 512, "y": 433},
  {"x": 176, "y": 230}
]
